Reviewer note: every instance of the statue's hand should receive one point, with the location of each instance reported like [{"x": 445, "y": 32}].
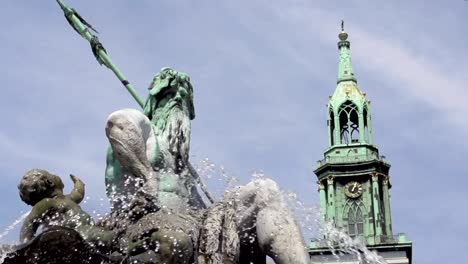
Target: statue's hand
[
  {"x": 74, "y": 178},
  {"x": 78, "y": 192}
]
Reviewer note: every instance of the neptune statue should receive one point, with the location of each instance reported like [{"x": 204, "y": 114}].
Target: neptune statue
[
  {"x": 150, "y": 154},
  {"x": 158, "y": 213}
]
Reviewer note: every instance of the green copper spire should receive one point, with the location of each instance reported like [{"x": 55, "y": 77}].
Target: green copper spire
[
  {"x": 349, "y": 118},
  {"x": 345, "y": 72},
  {"x": 353, "y": 179}
]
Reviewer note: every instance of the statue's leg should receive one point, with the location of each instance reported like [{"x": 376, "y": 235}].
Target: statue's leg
[
  {"x": 132, "y": 139},
  {"x": 264, "y": 216}
]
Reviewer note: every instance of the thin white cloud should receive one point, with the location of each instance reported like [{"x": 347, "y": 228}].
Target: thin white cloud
[
  {"x": 412, "y": 74},
  {"x": 262, "y": 72}
]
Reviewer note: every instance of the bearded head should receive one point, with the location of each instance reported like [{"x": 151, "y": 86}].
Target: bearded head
[
  {"x": 170, "y": 108},
  {"x": 170, "y": 87}
]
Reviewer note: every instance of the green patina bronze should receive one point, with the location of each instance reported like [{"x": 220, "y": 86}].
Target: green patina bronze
[
  {"x": 351, "y": 142},
  {"x": 161, "y": 218},
  {"x": 169, "y": 87},
  {"x": 84, "y": 29},
  {"x": 164, "y": 85},
  {"x": 353, "y": 178}
]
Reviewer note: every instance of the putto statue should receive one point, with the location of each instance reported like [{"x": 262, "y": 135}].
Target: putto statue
[
  {"x": 157, "y": 213},
  {"x": 44, "y": 191}
]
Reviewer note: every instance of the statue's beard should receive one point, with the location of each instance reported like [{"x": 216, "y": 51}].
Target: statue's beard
[{"x": 173, "y": 126}]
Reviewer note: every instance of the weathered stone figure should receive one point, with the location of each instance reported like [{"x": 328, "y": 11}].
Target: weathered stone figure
[
  {"x": 252, "y": 221},
  {"x": 44, "y": 191},
  {"x": 153, "y": 148}
]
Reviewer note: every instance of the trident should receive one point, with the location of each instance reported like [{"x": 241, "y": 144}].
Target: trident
[{"x": 84, "y": 29}]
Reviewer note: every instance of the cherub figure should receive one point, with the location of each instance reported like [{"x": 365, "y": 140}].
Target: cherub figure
[{"x": 44, "y": 191}]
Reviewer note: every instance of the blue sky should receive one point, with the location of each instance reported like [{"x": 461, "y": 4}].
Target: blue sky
[{"x": 262, "y": 73}]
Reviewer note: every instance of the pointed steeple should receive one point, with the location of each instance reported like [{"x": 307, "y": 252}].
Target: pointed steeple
[
  {"x": 345, "y": 71},
  {"x": 353, "y": 178},
  {"x": 349, "y": 108}
]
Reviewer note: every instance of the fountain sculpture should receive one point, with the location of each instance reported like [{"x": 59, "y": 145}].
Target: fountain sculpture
[{"x": 157, "y": 213}]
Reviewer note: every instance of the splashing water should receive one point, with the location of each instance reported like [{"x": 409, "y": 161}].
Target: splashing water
[
  {"x": 221, "y": 182},
  {"x": 341, "y": 243},
  {"x": 5, "y": 249},
  {"x": 219, "y": 179},
  {"x": 13, "y": 225},
  {"x": 309, "y": 217},
  {"x": 3, "y": 253}
]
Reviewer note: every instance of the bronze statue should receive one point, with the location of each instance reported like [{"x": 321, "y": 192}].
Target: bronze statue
[
  {"x": 44, "y": 191},
  {"x": 151, "y": 148},
  {"x": 157, "y": 214}
]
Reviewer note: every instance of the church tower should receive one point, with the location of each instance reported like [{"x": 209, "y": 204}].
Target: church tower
[{"x": 353, "y": 178}]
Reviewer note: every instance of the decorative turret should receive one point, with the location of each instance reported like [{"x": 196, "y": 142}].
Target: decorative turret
[
  {"x": 354, "y": 182},
  {"x": 349, "y": 117},
  {"x": 353, "y": 177}
]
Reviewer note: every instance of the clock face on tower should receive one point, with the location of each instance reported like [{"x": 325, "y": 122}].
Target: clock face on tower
[{"x": 353, "y": 189}]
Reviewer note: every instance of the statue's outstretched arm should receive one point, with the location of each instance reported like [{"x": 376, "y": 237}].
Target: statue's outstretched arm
[
  {"x": 33, "y": 220},
  {"x": 78, "y": 192}
]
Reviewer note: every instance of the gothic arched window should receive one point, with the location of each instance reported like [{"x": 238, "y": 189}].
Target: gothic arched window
[
  {"x": 349, "y": 123},
  {"x": 366, "y": 125},
  {"x": 355, "y": 220},
  {"x": 331, "y": 126}
]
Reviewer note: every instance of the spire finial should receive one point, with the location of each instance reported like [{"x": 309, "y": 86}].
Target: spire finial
[
  {"x": 345, "y": 69},
  {"x": 343, "y": 35}
]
